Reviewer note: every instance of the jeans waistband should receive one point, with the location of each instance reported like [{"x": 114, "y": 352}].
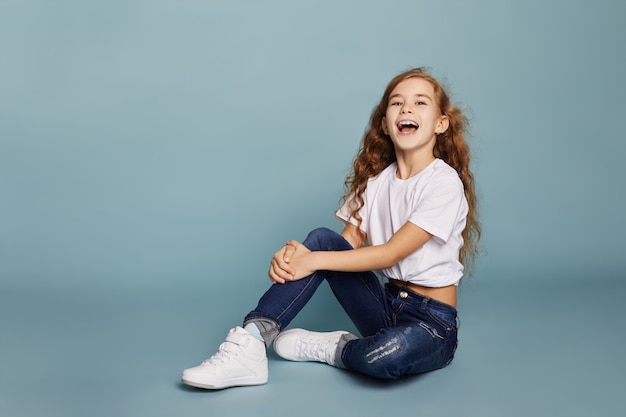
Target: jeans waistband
[{"x": 417, "y": 298}]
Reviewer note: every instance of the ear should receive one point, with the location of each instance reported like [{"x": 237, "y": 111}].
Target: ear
[
  {"x": 383, "y": 124},
  {"x": 443, "y": 125}
]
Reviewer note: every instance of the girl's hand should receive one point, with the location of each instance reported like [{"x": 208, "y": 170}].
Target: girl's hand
[
  {"x": 301, "y": 260},
  {"x": 280, "y": 271},
  {"x": 290, "y": 263}
]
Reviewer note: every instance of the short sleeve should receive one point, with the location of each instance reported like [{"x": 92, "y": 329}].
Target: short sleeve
[
  {"x": 440, "y": 208},
  {"x": 344, "y": 213}
]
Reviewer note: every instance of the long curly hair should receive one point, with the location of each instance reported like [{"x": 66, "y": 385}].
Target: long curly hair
[{"x": 377, "y": 152}]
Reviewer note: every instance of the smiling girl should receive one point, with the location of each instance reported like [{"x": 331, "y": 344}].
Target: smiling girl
[{"x": 410, "y": 215}]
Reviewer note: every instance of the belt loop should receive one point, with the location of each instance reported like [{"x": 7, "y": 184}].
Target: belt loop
[{"x": 425, "y": 301}]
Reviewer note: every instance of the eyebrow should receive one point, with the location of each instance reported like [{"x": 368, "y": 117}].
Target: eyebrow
[{"x": 416, "y": 95}]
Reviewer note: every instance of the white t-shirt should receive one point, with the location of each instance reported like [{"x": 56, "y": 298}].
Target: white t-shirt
[{"x": 433, "y": 200}]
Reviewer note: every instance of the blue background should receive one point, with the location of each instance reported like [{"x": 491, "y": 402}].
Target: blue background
[{"x": 155, "y": 154}]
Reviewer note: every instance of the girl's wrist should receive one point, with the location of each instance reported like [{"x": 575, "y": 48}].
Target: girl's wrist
[{"x": 318, "y": 260}]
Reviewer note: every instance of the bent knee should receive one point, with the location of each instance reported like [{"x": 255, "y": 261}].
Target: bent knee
[
  {"x": 396, "y": 357},
  {"x": 325, "y": 239}
]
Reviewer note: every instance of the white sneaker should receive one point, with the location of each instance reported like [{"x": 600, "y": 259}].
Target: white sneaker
[
  {"x": 304, "y": 345},
  {"x": 240, "y": 360}
]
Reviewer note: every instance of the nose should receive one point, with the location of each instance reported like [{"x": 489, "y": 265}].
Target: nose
[{"x": 406, "y": 109}]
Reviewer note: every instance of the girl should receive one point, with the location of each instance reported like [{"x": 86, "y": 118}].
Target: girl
[{"x": 409, "y": 213}]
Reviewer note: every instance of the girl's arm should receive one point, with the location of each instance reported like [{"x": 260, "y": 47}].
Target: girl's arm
[
  {"x": 405, "y": 241},
  {"x": 280, "y": 268}
]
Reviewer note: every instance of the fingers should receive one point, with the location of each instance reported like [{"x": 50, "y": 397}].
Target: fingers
[
  {"x": 275, "y": 275},
  {"x": 288, "y": 251},
  {"x": 278, "y": 275},
  {"x": 294, "y": 244},
  {"x": 282, "y": 259},
  {"x": 280, "y": 271}
]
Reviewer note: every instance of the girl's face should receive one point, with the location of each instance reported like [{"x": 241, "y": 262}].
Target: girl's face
[{"x": 413, "y": 119}]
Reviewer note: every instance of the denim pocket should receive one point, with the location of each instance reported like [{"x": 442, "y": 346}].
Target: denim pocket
[{"x": 446, "y": 321}]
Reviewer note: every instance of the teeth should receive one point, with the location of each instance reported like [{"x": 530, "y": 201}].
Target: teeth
[{"x": 408, "y": 124}]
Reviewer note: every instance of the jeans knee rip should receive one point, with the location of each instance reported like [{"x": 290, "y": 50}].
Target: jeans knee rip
[
  {"x": 383, "y": 351},
  {"x": 430, "y": 330}
]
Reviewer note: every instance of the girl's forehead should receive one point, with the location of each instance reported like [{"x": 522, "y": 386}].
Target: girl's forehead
[{"x": 414, "y": 86}]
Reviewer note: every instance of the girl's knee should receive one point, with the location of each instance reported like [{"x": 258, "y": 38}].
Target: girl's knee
[
  {"x": 390, "y": 357},
  {"x": 324, "y": 239},
  {"x": 321, "y": 233}
]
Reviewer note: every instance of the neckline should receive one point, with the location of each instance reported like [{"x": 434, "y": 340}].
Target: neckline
[{"x": 427, "y": 168}]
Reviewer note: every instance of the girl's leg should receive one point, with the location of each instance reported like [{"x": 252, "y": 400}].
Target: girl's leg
[
  {"x": 423, "y": 337},
  {"x": 359, "y": 293},
  {"x": 241, "y": 359},
  {"x": 363, "y": 298}
]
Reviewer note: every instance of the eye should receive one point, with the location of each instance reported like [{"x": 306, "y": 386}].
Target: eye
[
  {"x": 395, "y": 103},
  {"x": 421, "y": 103}
]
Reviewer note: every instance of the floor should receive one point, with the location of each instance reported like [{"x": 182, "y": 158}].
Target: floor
[{"x": 525, "y": 350}]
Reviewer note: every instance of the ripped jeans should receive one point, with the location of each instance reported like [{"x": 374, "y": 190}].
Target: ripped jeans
[{"x": 402, "y": 332}]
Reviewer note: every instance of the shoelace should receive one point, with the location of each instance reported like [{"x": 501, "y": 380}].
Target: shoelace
[
  {"x": 222, "y": 355},
  {"x": 314, "y": 349}
]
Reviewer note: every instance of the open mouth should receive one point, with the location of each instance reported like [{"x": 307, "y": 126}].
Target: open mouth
[{"x": 407, "y": 126}]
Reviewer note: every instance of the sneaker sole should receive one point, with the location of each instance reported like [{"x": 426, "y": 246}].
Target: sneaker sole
[{"x": 239, "y": 382}]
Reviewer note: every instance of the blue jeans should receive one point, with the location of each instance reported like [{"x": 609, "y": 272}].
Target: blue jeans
[{"x": 402, "y": 332}]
